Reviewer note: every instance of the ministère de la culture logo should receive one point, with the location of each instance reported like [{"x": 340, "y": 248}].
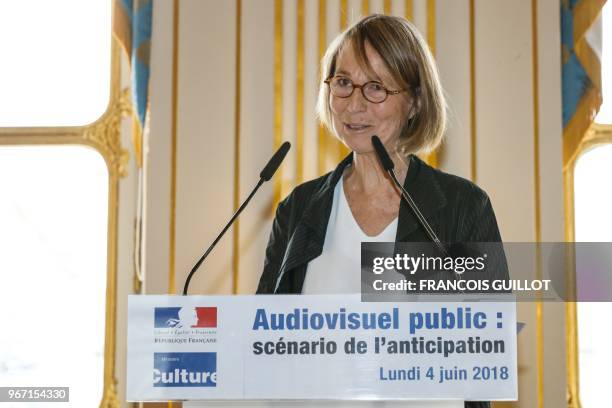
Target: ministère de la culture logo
[
  {"x": 185, "y": 325},
  {"x": 185, "y": 369}
]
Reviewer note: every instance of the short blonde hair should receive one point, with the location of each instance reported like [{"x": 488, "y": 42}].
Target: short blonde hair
[{"x": 410, "y": 63}]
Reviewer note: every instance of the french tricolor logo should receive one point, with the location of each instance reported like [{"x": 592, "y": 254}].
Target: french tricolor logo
[
  {"x": 185, "y": 317},
  {"x": 207, "y": 317}
]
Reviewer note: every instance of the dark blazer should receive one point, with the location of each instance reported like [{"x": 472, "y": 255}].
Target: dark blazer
[{"x": 456, "y": 209}]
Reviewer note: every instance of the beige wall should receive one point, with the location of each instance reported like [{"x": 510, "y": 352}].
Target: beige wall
[{"x": 207, "y": 175}]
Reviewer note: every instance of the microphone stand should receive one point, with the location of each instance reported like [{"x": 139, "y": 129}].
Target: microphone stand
[
  {"x": 229, "y": 224},
  {"x": 388, "y": 165},
  {"x": 265, "y": 175},
  {"x": 430, "y": 232}
]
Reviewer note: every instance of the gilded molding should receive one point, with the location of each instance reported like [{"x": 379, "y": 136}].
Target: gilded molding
[
  {"x": 537, "y": 199},
  {"x": 365, "y": 8},
  {"x": 299, "y": 103},
  {"x": 278, "y": 96},
  {"x": 578, "y": 127},
  {"x": 173, "y": 147},
  {"x": 432, "y": 157},
  {"x": 335, "y": 145},
  {"x": 431, "y": 26},
  {"x": 571, "y": 321},
  {"x": 105, "y": 134},
  {"x": 237, "y": 115},
  {"x": 473, "y": 129},
  {"x": 322, "y": 134},
  {"x": 409, "y": 10},
  {"x": 109, "y": 145},
  {"x": 585, "y": 13},
  {"x": 110, "y": 399}
]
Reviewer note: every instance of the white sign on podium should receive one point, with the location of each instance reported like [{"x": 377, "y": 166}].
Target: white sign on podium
[{"x": 319, "y": 347}]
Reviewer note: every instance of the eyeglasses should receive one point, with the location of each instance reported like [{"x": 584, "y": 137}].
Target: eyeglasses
[{"x": 372, "y": 91}]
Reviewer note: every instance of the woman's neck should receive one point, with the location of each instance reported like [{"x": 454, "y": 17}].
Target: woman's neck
[{"x": 367, "y": 175}]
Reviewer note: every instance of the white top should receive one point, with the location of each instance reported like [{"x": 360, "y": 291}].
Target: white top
[{"x": 338, "y": 268}]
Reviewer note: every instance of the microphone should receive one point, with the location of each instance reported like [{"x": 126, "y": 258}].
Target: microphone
[
  {"x": 382, "y": 154},
  {"x": 268, "y": 171},
  {"x": 265, "y": 175},
  {"x": 388, "y": 166}
]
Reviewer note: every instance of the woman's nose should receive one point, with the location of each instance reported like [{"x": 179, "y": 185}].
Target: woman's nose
[{"x": 357, "y": 103}]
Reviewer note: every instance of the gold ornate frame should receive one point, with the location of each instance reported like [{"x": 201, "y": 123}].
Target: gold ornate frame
[
  {"x": 103, "y": 135},
  {"x": 595, "y": 136}
]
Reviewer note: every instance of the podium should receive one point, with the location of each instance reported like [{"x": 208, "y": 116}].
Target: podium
[{"x": 319, "y": 350}]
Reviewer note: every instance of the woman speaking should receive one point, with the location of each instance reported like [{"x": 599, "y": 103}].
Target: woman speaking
[{"x": 379, "y": 79}]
